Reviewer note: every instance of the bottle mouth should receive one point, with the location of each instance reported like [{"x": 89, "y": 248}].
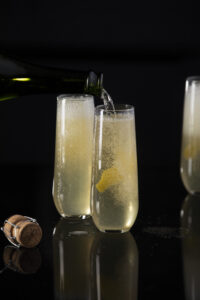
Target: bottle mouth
[
  {"x": 94, "y": 83},
  {"x": 100, "y": 80}
]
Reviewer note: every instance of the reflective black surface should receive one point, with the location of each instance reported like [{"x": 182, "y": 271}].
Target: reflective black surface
[{"x": 159, "y": 258}]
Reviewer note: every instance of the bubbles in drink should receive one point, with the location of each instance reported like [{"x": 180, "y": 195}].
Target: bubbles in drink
[
  {"x": 73, "y": 155},
  {"x": 115, "y": 187}
]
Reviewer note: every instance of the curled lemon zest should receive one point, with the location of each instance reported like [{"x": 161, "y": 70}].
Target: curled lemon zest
[{"x": 109, "y": 177}]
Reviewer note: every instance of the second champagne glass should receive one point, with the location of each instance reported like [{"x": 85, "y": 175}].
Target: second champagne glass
[{"x": 114, "y": 202}]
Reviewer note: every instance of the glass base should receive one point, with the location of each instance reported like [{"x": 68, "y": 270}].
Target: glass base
[
  {"x": 83, "y": 217},
  {"x": 194, "y": 193},
  {"x": 114, "y": 231}
]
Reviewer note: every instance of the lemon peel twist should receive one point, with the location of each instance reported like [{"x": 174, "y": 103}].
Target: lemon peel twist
[{"x": 109, "y": 177}]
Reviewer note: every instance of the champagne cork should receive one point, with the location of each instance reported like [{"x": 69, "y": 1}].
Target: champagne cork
[{"x": 22, "y": 231}]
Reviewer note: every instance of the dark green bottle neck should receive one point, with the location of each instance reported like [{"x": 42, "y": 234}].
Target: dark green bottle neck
[{"x": 18, "y": 78}]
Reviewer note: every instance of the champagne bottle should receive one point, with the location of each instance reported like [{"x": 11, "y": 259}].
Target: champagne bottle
[{"x": 18, "y": 78}]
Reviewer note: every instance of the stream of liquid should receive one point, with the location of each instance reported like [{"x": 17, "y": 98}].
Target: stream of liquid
[{"x": 107, "y": 100}]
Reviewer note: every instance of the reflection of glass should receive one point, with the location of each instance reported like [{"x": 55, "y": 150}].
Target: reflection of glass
[
  {"x": 22, "y": 260},
  {"x": 190, "y": 221},
  {"x": 114, "y": 267},
  {"x": 73, "y": 155},
  {"x": 115, "y": 182},
  {"x": 72, "y": 243},
  {"x": 190, "y": 154}
]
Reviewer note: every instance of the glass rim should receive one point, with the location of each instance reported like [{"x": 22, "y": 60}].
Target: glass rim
[
  {"x": 192, "y": 79},
  {"x": 124, "y": 108},
  {"x": 75, "y": 97}
]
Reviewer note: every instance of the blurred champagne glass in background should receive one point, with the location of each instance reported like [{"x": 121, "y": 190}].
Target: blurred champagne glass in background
[{"x": 190, "y": 151}]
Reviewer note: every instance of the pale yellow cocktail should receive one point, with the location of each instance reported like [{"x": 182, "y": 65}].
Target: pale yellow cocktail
[
  {"x": 115, "y": 179},
  {"x": 73, "y": 154}
]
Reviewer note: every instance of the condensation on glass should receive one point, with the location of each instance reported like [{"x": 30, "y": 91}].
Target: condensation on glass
[{"x": 73, "y": 155}]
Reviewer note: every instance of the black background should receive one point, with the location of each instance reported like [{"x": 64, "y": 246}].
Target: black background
[{"x": 145, "y": 50}]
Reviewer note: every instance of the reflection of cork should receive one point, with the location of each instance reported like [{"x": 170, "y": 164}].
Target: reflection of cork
[
  {"x": 26, "y": 261},
  {"x": 23, "y": 231}
]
